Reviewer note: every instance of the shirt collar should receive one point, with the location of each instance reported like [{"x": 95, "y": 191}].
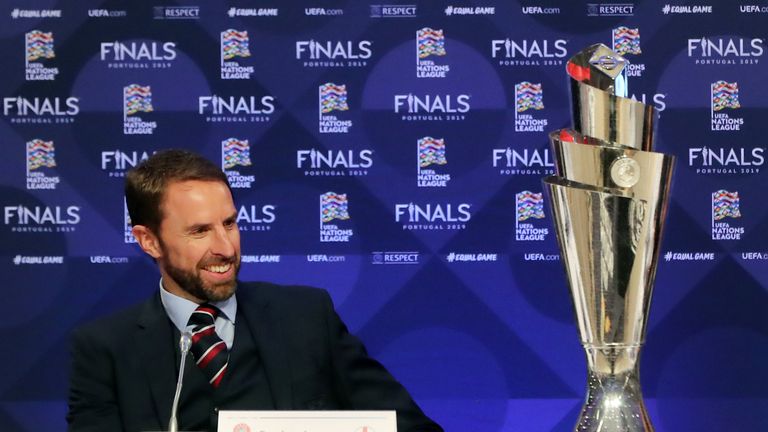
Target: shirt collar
[{"x": 180, "y": 309}]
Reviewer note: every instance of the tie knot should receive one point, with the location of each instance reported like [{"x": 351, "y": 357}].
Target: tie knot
[
  {"x": 205, "y": 314},
  {"x": 211, "y": 354}
]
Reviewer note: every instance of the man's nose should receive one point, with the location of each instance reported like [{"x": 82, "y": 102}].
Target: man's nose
[{"x": 223, "y": 243}]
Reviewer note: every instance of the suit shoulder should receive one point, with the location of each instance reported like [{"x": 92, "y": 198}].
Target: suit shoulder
[{"x": 111, "y": 326}]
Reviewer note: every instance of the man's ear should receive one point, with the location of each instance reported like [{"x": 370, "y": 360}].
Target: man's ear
[{"x": 148, "y": 241}]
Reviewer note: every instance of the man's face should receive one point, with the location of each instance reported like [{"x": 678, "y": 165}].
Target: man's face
[{"x": 199, "y": 241}]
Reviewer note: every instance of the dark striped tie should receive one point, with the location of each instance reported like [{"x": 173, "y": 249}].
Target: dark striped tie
[{"x": 210, "y": 351}]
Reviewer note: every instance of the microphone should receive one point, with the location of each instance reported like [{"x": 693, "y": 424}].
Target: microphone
[{"x": 185, "y": 342}]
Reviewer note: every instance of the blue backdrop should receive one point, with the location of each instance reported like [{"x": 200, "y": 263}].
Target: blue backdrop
[{"x": 382, "y": 152}]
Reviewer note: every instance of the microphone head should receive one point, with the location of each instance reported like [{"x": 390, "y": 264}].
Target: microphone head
[{"x": 185, "y": 342}]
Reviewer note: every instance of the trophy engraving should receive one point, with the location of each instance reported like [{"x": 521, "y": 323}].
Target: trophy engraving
[
  {"x": 609, "y": 199},
  {"x": 625, "y": 172}
]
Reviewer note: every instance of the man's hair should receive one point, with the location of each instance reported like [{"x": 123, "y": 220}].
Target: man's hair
[{"x": 145, "y": 185}]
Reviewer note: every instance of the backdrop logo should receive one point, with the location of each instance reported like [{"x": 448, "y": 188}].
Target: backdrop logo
[
  {"x": 116, "y": 162},
  {"x": 256, "y": 218},
  {"x": 319, "y": 163},
  {"x": 446, "y": 107},
  {"x": 234, "y": 153},
  {"x": 177, "y": 12},
  {"x": 21, "y": 218},
  {"x": 41, "y": 110},
  {"x": 457, "y": 257},
  {"x": 234, "y": 44},
  {"x": 260, "y": 259},
  {"x": 38, "y": 259},
  {"x": 137, "y": 55},
  {"x": 726, "y": 160},
  {"x": 107, "y": 259},
  {"x": 35, "y": 13},
  {"x": 725, "y": 205},
  {"x": 39, "y": 48},
  {"x": 252, "y": 12},
  {"x": 332, "y": 97},
  {"x": 538, "y": 10},
  {"x": 530, "y": 208},
  {"x": 430, "y": 45},
  {"x": 127, "y": 225},
  {"x": 467, "y": 10},
  {"x": 236, "y": 109},
  {"x": 626, "y": 41},
  {"x": 40, "y": 156},
  {"x": 610, "y": 9},
  {"x": 137, "y": 99},
  {"x": 316, "y": 11},
  {"x": 725, "y": 96},
  {"x": 523, "y": 162},
  {"x": 430, "y": 158},
  {"x": 334, "y": 207},
  {"x": 525, "y": 52},
  {"x": 686, "y": 9},
  {"x": 753, "y": 9},
  {"x": 529, "y": 96},
  {"x": 726, "y": 50},
  {"x": 107, "y": 13},
  {"x": 394, "y": 258},
  {"x": 314, "y": 53},
  {"x": 432, "y": 217},
  {"x": 393, "y": 11}
]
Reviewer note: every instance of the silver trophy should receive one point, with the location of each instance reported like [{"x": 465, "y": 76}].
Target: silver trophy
[{"x": 609, "y": 201}]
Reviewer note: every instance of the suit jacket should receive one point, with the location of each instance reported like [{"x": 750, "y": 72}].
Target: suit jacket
[{"x": 124, "y": 369}]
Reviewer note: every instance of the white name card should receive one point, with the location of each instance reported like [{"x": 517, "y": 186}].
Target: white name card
[{"x": 307, "y": 421}]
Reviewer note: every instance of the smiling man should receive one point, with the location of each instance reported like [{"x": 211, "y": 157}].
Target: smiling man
[{"x": 255, "y": 346}]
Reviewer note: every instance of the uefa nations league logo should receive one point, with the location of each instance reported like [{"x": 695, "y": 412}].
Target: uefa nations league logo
[
  {"x": 137, "y": 99},
  {"x": 334, "y": 210},
  {"x": 626, "y": 41},
  {"x": 38, "y": 52},
  {"x": 725, "y": 96},
  {"x": 41, "y": 158},
  {"x": 431, "y": 162},
  {"x": 236, "y": 152},
  {"x": 529, "y": 98},
  {"x": 530, "y": 209},
  {"x": 430, "y": 46},
  {"x": 726, "y": 205},
  {"x": 234, "y": 45},
  {"x": 332, "y": 101}
]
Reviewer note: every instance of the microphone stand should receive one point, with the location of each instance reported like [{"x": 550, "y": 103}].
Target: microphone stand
[{"x": 185, "y": 342}]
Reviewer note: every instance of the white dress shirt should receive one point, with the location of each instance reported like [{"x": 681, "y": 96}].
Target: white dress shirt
[{"x": 180, "y": 309}]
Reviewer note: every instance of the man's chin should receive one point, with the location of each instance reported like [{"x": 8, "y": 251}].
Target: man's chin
[{"x": 221, "y": 292}]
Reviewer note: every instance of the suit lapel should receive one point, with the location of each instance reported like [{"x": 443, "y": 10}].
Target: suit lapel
[
  {"x": 266, "y": 328},
  {"x": 157, "y": 356}
]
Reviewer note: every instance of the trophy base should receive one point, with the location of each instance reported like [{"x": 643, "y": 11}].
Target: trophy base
[{"x": 614, "y": 404}]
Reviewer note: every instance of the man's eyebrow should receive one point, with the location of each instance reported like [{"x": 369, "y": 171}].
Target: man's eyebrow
[{"x": 198, "y": 227}]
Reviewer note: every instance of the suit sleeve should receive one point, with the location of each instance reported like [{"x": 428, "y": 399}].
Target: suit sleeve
[
  {"x": 364, "y": 384},
  {"x": 92, "y": 400}
]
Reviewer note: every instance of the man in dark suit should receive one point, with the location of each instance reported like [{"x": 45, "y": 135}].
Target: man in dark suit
[{"x": 256, "y": 346}]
